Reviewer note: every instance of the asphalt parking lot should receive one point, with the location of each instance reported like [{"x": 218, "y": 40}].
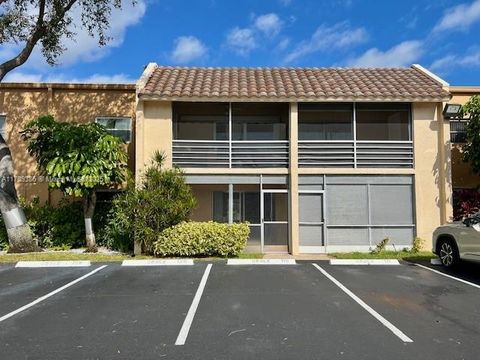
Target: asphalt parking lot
[{"x": 218, "y": 311}]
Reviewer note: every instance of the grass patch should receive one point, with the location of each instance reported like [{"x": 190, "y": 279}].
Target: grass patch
[
  {"x": 64, "y": 255},
  {"x": 400, "y": 255},
  {"x": 97, "y": 257}
]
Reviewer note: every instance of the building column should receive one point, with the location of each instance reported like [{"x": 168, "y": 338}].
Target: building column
[
  {"x": 230, "y": 203},
  {"x": 445, "y": 168},
  {"x": 293, "y": 177}
]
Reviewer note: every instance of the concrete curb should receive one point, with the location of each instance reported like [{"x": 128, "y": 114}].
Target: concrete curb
[
  {"x": 43, "y": 264},
  {"x": 261, "y": 262},
  {"x": 364, "y": 262},
  {"x": 158, "y": 262}
]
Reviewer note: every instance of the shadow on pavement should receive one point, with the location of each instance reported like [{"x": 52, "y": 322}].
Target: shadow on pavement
[{"x": 466, "y": 270}]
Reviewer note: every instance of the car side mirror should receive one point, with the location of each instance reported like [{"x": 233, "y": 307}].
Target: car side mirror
[{"x": 466, "y": 222}]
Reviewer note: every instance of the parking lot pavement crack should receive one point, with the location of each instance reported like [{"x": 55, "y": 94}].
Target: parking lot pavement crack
[{"x": 236, "y": 331}]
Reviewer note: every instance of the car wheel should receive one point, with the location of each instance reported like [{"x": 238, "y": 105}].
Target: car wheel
[{"x": 448, "y": 253}]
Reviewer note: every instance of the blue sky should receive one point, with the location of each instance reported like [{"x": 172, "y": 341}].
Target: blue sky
[{"x": 442, "y": 35}]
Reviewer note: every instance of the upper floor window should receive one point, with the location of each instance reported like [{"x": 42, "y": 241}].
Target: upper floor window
[
  {"x": 458, "y": 132},
  {"x": 3, "y": 120},
  {"x": 200, "y": 121},
  {"x": 117, "y": 126},
  {"x": 259, "y": 121},
  {"x": 318, "y": 121},
  {"x": 387, "y": 122}
]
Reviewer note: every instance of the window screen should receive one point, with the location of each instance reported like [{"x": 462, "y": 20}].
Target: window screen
[
  {"x": 117, "y": 126},
  {"x": 347, "y": 204},
  {"x": 383, "y": 122},
  {"x": 258, "y": 121},
  {"x": 391, "y": 204},
  {"x": 325, "y": 122},
  {"x": 200, "y": 121}
]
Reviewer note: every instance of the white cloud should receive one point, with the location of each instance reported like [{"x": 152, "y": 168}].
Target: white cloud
[
  {"x": 83, "y": 47},
  {"x": 187, "y": 49},
  {"x": 269, "y": 24},
  {"x": 242, "y": 41},
  {"x": 400, "y": 55},
  {"x": 328, "y": 38},
  {"x": 450, "y": 62},
  {"x": 18, "y": 76},
  {"x": 283, "y": 44},
  {"x": 459, "y": 17}
]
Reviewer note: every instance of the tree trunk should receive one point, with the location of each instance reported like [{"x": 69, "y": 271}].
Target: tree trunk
[
  {"x": 88, "y": 211},
  {"x": 19, "y": 234}
]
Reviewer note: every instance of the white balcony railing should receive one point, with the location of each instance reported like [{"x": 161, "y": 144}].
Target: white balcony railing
[
  {"x": 201, "y": 153},
  {"x": 311, "y": 153},
  {"x": 326, "y": 153},
  {"x": 225, "y": 154},
  {"x": 355, "y": 154}
]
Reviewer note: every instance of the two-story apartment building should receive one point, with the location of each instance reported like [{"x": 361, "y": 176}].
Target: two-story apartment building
[{"x": 315, "y": 159}]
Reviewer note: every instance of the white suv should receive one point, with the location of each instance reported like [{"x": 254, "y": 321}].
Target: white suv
[{"x": 457, "y": 241}]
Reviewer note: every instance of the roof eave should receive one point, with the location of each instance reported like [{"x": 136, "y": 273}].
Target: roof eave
[{"x": 151, "y": 97}]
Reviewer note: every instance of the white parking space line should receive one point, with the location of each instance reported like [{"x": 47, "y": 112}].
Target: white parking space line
[
  {"x": 364, "y": 262},
  {"x": 41, "y": 264},
  {"x": 449, "y": 276},
  {"x": 158, "y": 262},
  {"x": 56, "y": 291},
  {"x": 372, "y": 312},
  {"x": 261, "y": 262},
  {"x": 182, "y": 336}
]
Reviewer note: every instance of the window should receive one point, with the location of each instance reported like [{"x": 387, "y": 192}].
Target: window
[
  {"x": 246, "y": 206},
  {"x": 383, "y": 122},
  {"x": 200, "y": 121},
  {"x": 325, "y": 122},
  {"x": 458, "y": 133},
  {"x": 254, "y": 121},
  {"x": 117, "y": 126}
]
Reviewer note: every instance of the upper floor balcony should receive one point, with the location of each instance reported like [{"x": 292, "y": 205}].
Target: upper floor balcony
[
  {"x": 230, "y": 135},
  {"x": 343, "y": 135},
  {"x": 355, "y": 135}
]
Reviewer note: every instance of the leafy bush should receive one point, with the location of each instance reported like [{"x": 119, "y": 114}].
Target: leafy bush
[
  {"x": 162, "y": 200},
  {"x": 381, "y": 246},
  {"x": 417, "y": 245},
  {"x": 115, "y": 230},
  {"x": 58, "y": 227},
  {"x": 202, "y": 239},
  {"x": 465, "y": 202}
]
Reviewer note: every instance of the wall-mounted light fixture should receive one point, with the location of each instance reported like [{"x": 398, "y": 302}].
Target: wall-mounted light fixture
[{"x": 451, "y": 110}]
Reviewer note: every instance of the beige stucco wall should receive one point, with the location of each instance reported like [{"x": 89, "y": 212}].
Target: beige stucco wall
[
  {"x": 74, "y": 103},
  {"x": 432, "y": 169},
  {"x": 154, "y": 132}
]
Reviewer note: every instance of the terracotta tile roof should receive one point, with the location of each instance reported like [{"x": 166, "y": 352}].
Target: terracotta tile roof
[{"x": 283, "y": 84}]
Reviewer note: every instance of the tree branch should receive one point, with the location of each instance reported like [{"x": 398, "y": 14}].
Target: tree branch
[{"x": 36, "y": 35}]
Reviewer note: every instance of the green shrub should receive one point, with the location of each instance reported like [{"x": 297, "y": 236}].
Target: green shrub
[
  {"x": 161, "y": 200},
  {"x": 202, "y": 239},
  {"x": 56, "y": 227},
  {"x": 115, "y": 229},
  {"x": 417, "y": 245},
  {"x": 380, "y": 246}
]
